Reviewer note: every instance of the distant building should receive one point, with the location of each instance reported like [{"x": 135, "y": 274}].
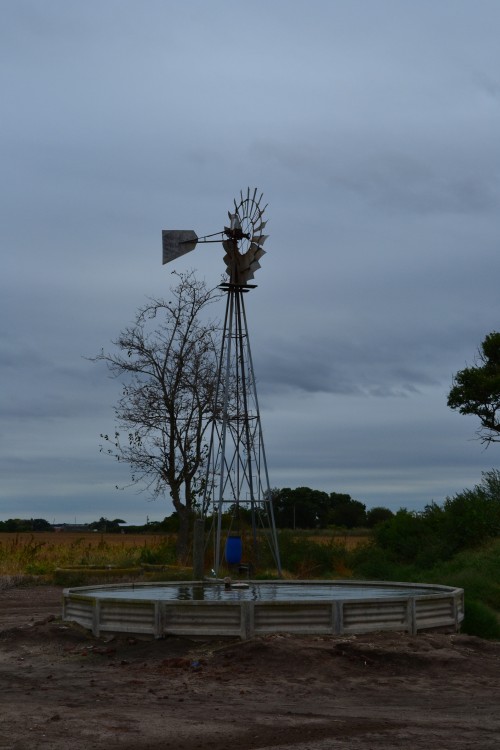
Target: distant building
[{"x": 71, "y": 527}]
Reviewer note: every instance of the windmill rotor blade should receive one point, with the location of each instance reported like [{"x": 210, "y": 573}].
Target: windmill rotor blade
[
  {"x": 256, "y": 248},
  {"x": 177, "y": 242},
  {"x": 260, "y": 239},
  {"x": 234, "y": 221}
]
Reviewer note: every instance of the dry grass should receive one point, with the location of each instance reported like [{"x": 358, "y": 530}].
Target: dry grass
[
  {"x": 42, "y": 552},
  {"x": 94, "y": 538},
  {"x": 343, "y": 540}
]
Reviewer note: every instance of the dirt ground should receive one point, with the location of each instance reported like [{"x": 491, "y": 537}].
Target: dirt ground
[{"x": 62, "y": 688}]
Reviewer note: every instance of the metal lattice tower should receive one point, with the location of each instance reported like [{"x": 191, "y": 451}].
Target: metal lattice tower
[{"x": 237, "y": 478}]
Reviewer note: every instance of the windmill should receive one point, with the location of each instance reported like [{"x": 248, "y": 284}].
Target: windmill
[{"x": 237, "y": 479}]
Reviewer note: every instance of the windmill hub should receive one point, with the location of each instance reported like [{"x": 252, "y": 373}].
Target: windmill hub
[{"x": 236, "y": 234}]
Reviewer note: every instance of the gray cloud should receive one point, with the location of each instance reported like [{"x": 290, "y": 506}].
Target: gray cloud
[{"x": 372, "y": 129}]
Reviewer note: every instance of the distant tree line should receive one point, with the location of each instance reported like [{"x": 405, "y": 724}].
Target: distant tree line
[
  {"x": 299, "y": 508},
  {"x": 25, "y": 524},
  {"x": 104, "y": 525},
  {"x": 303, "y": 508},
  {"x": 40, "y": 524}
]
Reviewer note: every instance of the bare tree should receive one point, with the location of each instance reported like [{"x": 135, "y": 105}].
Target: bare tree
[{"x": 167, "y": 360}]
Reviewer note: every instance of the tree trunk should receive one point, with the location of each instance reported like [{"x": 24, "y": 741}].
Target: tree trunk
[{"x": 184, "y": 534}]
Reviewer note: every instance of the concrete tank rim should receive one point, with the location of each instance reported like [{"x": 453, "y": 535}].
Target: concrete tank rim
[
  {"x": 435, "y": 589},
  {"x": 423, "y": 607}
]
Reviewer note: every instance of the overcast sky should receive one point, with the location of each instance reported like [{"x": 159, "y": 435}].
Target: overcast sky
[{"x": 373, "y": 129}]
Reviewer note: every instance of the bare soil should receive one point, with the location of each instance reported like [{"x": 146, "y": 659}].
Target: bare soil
[{"x": 61, "y": 688}]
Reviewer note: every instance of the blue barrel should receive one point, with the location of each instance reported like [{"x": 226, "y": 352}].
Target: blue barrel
[{"x": 234, "y": 550}]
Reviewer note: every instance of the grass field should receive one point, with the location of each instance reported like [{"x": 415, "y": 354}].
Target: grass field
[
  {"x": 41, "y": 553},
  {"x": 348, "y": 541}
]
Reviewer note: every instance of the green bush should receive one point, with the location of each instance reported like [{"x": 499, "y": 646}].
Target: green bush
[
  {"x": 377, "y": 515},
  {"x": 480, "y": 620},
  {"x": 369, "y": 561},
  {"x": 472, "y": 517},
  {"x": 465, "y": 521},
  {"x": 161, "y": 554},
  {"x": 476, "y": 571},
  {"x": 414, "y": 538},
  {"x": 307, "y": 558}
]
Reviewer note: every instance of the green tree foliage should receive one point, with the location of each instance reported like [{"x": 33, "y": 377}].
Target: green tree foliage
[
  {"x": 410, "y": 537},
  {"x": 40, "y": 524},
  {"x": 301, "y": 508},
  {"x": 305, "y": 508},
  {"x": 169, "y": 525},
  {"x": 473, "y": 516},
  {"x": 346, "y": 512},
  {"x": 25, "y": 524},
  {"x": 476, "y": 390},
  {"x": 105, "y": 526},
  {"x": 339, "y": 498},
  {"x": 377, "y": 515}
]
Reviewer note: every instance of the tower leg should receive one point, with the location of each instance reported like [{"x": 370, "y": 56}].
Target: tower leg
[{"x": 237, "y": 475}]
